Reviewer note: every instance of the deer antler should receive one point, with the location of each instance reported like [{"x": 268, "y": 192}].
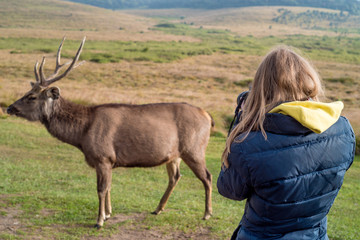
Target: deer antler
[{"x": 39, "y": 72}]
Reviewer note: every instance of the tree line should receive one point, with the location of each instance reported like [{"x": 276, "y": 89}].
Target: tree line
[
  {"x": 286, "y": 16},
  {"x": 351, "y": 6}
]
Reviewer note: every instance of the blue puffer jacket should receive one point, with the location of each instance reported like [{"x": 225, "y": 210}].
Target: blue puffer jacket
[{"x": 290, "y": 180}]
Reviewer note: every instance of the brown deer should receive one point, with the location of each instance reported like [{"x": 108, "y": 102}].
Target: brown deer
[{"x": 121, "y": 135}]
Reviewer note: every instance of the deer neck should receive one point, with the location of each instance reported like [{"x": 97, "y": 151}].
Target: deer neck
[{"x": 67, "y": 121}]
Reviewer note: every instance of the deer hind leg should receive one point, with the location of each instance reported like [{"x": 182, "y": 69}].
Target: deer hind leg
[
  {"x": 103, "y": 173},
  {"x": 198, "y": 166},
  {"x": 108, "y": 209},
  {"x": 173, "y": 169}
]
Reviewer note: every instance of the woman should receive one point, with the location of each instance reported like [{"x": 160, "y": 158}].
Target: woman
[{"x": 288, "y": 153}]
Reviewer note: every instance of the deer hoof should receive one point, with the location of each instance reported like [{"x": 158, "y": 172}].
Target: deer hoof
[
  {"x": 207, "y": 216},
  {"x": 97, "y": 226},
  {"x": 156, "y": 212}
]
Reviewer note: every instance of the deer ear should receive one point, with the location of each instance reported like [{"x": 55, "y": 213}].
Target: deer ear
[{"x": 53, "y": 92}]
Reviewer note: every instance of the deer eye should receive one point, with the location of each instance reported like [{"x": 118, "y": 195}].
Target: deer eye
[{"x": 31, "y": 98}]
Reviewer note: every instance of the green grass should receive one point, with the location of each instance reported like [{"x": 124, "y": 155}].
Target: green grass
[
  {"x": 343, "y": 80},
  {"x": 343, "y": 220},
  {"x": 338, "y": 49},
  {"x": 40, "y": 174},
  {"x": 109, "y": 51}
]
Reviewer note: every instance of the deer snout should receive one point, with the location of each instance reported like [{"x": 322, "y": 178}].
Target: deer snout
[{"x": 12, "y": 110}]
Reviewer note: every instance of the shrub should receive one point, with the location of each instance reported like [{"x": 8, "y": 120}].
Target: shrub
[
  {"x": 166, "y": 25},
  {"x": 343, "y": 80}
]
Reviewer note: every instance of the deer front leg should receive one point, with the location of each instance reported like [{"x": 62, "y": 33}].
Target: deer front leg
[{"x": 103, "y": 174}]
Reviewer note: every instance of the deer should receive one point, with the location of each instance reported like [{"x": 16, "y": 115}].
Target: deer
[{"x": 121, "y": 135}]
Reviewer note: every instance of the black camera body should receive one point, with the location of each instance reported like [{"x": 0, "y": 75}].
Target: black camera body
[{"x": 240, "y": 100}]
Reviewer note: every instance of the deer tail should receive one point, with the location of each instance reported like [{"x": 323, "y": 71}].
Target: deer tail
[{"x": 212, "y": 120}]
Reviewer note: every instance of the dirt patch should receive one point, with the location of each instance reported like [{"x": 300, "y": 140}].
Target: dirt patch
[
  {"x": 130, "y": 234},
  {"x": 138, "y": 230},
  {"x": 9, "y": 224},
  {"x": 133, "y": 228}
]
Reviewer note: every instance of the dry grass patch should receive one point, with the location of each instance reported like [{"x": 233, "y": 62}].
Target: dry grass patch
[
  {"x": 63, "y": 15},
  {"x": 208, "y": 81},
  {"x": 101, "y": 35},
  {"x": 54, "y": 19}
]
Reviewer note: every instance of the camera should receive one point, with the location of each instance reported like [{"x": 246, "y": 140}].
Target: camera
[{"x": 242, "y": 98}]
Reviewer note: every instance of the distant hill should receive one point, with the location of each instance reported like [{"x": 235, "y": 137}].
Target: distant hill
[
  {"x": 351, "y": 6},
  {"x": 60, "y": 16}
]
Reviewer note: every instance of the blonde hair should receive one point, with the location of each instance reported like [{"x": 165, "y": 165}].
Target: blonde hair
[{"x": 282, "y": 76}]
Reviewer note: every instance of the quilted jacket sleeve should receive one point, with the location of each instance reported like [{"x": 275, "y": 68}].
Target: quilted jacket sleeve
[{"x": 233, "y": 181}]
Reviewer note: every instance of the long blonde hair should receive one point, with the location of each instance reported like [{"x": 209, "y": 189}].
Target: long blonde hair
[{"x": 282, "y": 76}]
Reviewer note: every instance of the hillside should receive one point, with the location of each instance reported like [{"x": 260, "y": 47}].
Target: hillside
[
  {"x": 351, "y": 6},
  {"x": 140, "y": 56},
  {"x": 54, "y": 19},
  {"x": 61, "y": 15},
  {"x": 261, "y": 21},
  {"x": 204, "y": 57}
]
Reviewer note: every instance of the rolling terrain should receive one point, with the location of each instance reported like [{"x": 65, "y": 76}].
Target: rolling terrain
[
  {"x": 203, "y": 57},
  {"x": 351, "y": 6},
  {"x": 259, "y": 21},
  {"x": 132, "y": 60}
]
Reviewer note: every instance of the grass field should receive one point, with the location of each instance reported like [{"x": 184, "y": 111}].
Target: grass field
[
  {"x": 339, "y": 49},
  {"x": 52, "y": 193},
  {"x": 209, "y": 73},
  {"x": 204, "y": 57}
]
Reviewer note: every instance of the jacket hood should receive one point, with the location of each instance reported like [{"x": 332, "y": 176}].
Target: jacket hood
[{"x": 316, "y": 116}]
